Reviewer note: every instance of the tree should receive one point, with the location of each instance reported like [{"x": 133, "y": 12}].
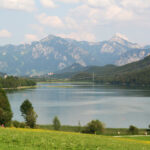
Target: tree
[
  {"x": 56, "y": 123},
  {"x": 28, "y": 113},
  {"x": 5, "y": 109},
  {"x": 133, "y": 130},
  {"x": 25, "y": 107},
  {"x": 79, "y": 127},
  {"x": 31, "y": 118},
  {"x": 95, "y": 126}
]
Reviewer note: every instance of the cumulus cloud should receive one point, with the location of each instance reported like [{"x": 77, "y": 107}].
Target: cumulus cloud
[
  {"x": 53, "y": 21},
  {"x": 139, "y": 4},
  {"x": 5, "y": 34},
  {"x": 117, "y": 13},
  {"x": 99, "y": 3},
  {"x": 30, "y": 38},
  {"x": 48, "y": 3},
  {"x": 25, "y": 5},
  {"x": 96, "y": 15}
]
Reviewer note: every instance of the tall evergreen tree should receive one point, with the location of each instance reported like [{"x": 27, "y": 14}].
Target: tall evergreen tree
[{"x": 5, "y": 109}]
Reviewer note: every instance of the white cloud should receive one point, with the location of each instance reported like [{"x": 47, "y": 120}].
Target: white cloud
[
  {"x": 84, "y": 12},
  {"x": 99, "y": 3},
  {"x": 69, "y": 1},
  {"x": 70, "y": 23},
  {"x": 37, "y": 28},
  {"x": 25, "y": 5},
  {"x": 79, "y": 36},
  {"x": 53, "y": 21},
  {"x": 48, "y": 3},
  {"x": 117, "y": 13},
  {"x": 5, "y": 34},
  {"x": 31, "y": 38},
  {"x": 139, "y": 4},
  {"x": 98, "y": 16}
]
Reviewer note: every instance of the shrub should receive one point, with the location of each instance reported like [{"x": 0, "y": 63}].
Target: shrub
[
  {"x": 94, "y": 127},
  {"x": 133, "y": 130},
  {"x": 18, "y": 124}
]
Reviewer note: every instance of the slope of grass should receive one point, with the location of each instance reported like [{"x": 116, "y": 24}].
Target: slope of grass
[
  {"x": 28, "y": 139},
  {"x": 141, "y": 138}
]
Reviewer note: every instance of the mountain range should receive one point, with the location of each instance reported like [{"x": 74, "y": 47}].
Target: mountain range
[{"x": 55, "y": 53}]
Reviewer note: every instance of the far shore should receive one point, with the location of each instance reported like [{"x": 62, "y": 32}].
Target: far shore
[{"x": 20, "y": 87}]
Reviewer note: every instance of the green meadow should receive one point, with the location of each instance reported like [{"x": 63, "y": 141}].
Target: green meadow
[{"x": 37, "y": 139}]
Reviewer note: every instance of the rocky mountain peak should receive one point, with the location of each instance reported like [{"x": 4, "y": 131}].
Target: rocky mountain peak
[
  {"x": 118, "y": 37},
  {"x": 48, "y": 38}
]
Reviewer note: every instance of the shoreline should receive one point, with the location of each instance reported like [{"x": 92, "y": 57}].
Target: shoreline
[{"x": 20, "y": 87}]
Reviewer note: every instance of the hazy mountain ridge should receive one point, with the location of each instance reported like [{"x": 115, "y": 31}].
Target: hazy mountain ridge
[{"x": 54, "y": 53}]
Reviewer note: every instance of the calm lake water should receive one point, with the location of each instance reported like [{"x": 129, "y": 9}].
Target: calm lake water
[{"x": 76, "y": 102}]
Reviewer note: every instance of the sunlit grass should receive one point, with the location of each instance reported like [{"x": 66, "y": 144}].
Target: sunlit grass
[
  {"x": 29, "y": 139},
  {"x": 139, "y": 138}
]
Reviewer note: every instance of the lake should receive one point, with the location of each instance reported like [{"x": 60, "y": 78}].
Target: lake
[{"x": 116, "y": 107}]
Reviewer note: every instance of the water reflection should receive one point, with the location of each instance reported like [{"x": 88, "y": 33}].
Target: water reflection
[{"x": 116, "y": 107}]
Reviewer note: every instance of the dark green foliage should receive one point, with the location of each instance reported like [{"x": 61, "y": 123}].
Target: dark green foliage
[
  {"x": 25, "y": 107},
  {"x": 28, "y": 113},
  {"x": 15, "y": 124},
  {"x": 79, "y": 127},
  {"x": 5, "y": 109},
  {"x": 56, "y": 123},
  {"x": 31, "y": 118},
  {"x": 18, "y": 124},
  {"x": 83, "y": 76},
  {"x": 133, "y": 130},
  {"x": 94, "y": 127},
  {"x": 14, "y": 82},
  {"x": 134, "y": 74}
]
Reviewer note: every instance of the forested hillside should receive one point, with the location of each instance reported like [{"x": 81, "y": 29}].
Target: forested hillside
[
  {"x": 14, "y": 82},
  {"x": 136, "y": 73}
]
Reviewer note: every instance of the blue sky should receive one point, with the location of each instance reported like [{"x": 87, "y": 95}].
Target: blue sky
[{"x": 23, "y": 21}]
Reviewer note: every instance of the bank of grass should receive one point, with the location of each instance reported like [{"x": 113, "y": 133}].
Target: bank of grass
[
  {"x": 107, "y": 131},
  {"x": 38, "y": 139},
  {"x": 137, "y": 137}
]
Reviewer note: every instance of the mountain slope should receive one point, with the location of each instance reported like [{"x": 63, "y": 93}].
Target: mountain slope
[
  {"x": 73, "y": 68},
  {"x": 54, "y": 53},
  {"x": 136, "y": 73}
]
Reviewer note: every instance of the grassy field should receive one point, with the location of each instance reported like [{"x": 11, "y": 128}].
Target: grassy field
[
  {"x": 107, "y": 131},
  {"x": 141, "y": 138},
  {"x": 37, "y": 139}
]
